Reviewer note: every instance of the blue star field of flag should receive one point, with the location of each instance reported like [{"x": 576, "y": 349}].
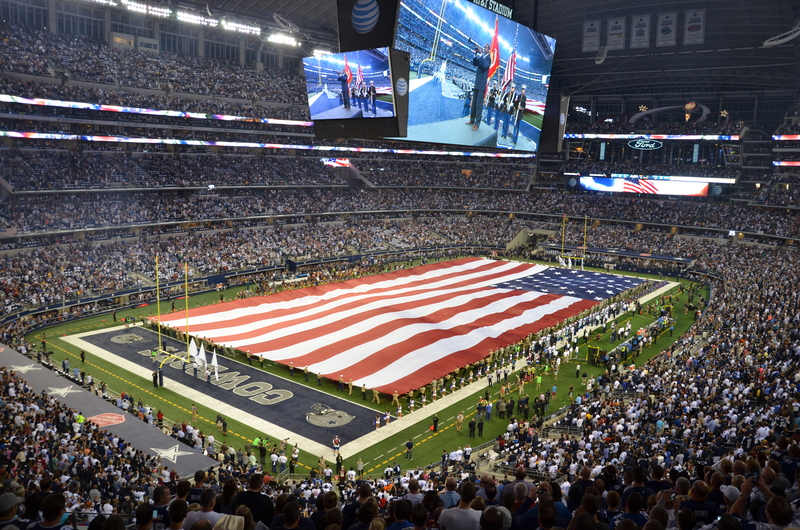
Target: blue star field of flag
[{"x": 572, "y": 282}]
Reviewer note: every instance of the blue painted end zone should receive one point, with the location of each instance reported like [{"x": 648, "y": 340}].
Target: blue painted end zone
[{"x": 276, "y": 400}]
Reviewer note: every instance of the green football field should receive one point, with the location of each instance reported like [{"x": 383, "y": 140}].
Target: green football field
[{"x": 428, "y": 445}]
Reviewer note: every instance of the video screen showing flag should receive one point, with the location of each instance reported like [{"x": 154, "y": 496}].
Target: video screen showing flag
[
  {"x": 635, "y": 185},
  {"x": 400, "y": 330},
  {"x": 349, "y": 85},
  {"x": 477, "y": 78},
  {"x": 336, "y": 162}
]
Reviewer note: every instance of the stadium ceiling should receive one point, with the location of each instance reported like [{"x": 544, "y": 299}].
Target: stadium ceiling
[{"x": 731, "y": 59}]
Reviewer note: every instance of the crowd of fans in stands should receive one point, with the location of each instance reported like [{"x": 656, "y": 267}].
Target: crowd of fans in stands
[
  {"x": 397, "y": 173},
  {"x": 127, "y": 98},
  {"x": 29, "y": 51},
  {"x": 48, "y": 170},
  {"x": 32, "y": 213}
]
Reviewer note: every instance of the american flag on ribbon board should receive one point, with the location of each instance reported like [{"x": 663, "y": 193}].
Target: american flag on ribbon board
[
  {"x": 400, "y": 330},
  {"x": 639, "y": 186}
]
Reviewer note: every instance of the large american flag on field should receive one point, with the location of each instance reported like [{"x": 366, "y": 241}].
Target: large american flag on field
[
  {"x": 400, "y": 330},
  {"x": 639, "y": 186}
]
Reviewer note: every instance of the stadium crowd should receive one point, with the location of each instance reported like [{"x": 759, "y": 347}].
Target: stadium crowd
[
  {"x": 395, "y": 173},
  {"x": 29, "y": 51},
  {"x": 35, "y": 213},
  {"x": 56, "y": 170},
  {"x": 127, "y": 98}
]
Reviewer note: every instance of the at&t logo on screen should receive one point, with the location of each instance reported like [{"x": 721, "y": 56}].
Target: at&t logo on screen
[{"x": 365, "y": 15}]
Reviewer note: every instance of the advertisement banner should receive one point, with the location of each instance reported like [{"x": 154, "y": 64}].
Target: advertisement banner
[
  {"x": 694, "y": 27},
  {"x": 615, "y": 39},
  {"x": 666, "y": 30},
  {"x": 591, "y": 36},
  {"x": 640, "y": 31}
]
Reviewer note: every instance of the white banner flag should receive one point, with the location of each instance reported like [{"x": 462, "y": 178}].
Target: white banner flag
[
  {"x": 666, "y": 29},
  {"x": 215, "y": 364},
  {"x": 694, "y": 27},
  {"x": 640, "y": 31},
  {"x": 201, "y": 357},
  {"x": 192, "y": 350},
  {"x": 591, "y": 36},
  {"x": 615, "y": 39}
]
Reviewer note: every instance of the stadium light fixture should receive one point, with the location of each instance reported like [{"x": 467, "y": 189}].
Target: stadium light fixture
[
  {"x": 139, "y": 7},
  {"x": 240, "y": 28},
  {"x": 277, "y": 38},
  {"x": 111, "y": 3},
  {"x": 320, "y": 53},
  {"x": 155, "y": 11},
  {"x": 191, "y": 18}
]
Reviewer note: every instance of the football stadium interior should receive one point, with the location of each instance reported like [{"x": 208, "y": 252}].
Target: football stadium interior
[{"x": 369, "y": 264}]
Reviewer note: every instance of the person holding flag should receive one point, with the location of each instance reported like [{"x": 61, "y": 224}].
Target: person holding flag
[{"x": 507, "y": 109}]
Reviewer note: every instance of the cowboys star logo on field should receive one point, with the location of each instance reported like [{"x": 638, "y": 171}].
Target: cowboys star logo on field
[{"x": 323, "y": 416}]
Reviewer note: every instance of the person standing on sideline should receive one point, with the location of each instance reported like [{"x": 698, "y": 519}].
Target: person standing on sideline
[
  {"x": 577, "y": 371},
  {"x": 435, "y": 423},
  {"x": 459, "y": 421},
  {"x": 409, "y": 450}
]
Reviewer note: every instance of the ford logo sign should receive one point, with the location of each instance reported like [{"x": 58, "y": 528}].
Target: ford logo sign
[{"x": 645, "y": 145}]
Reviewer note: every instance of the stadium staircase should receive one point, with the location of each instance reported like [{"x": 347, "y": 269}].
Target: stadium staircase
[
  {"x": 355, "y": 176},
  {"x": 146, "y": 280}
]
